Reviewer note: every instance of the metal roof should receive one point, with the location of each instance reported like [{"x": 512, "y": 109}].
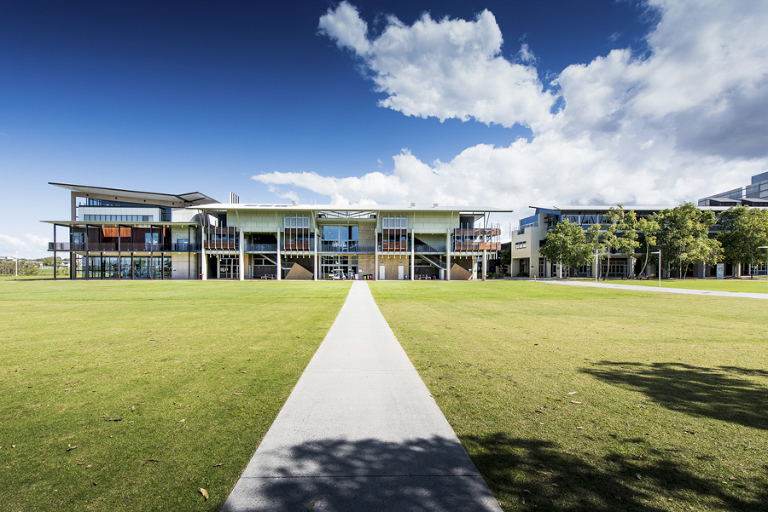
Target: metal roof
[
  {"x": 189, "y": 198},
  {"x": 601, "y": 207},
  {"x": 121, "y": 223},
  {"x": 354, "y": 208}
]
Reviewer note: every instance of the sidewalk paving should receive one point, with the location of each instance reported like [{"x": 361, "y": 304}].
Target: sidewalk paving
[
  {"x": 360, "y": 432},
  {"x": 640, "y": 288}
]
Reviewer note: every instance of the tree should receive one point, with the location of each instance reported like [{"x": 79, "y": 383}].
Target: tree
[
  {"x": 596, "y": 244},
  {"x": 684, "y": 236},
  {"x": 742, "y": 231},
  {"x": 649, "y": 228},
  {"x": 620, "y": 233},
  {"x": 566, "y": 245},
  {"x": 506, "y": 256}
]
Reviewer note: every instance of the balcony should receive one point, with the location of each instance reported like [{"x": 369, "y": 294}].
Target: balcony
[
  {"x": 477, "y": 231},
  {"x": 260, "y": 247},
  {"x": 476, "y": 246},
  {"x": 123, "y": 247},
  {"x": 221, "y": 245},
  {"x": 394, "y": 246},
  {"x": 429, "y": 249}
]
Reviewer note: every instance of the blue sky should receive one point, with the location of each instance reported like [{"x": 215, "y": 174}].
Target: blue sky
[{"x": 551, "y": 101}]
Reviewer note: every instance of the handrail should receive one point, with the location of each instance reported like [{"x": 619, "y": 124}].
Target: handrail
[{"x": 123, "y": 247}]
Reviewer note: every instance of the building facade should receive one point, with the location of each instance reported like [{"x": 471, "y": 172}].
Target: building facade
[
  {"x": 123, "y": 234},
  {"x": 530, "y": 237},
  {"x": 754, "y": 194}
]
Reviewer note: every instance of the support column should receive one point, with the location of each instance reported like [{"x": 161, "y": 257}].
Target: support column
[
  {"x": 316, "y": 265},
  {"x": 279, "y": 264},
  {"x": 413, "y": 254},
  {"x": 242, "y": 256},
  {"x": 151, "y": 253},
  {"x": 204, "y": 257},
  {"x": 375, "y": 257},
  {"x": 54, "y": 252},
  {"x": 189, "y": 252},
  {"x": 119, "y": 256},
  {"x": 132, "y": 276},
  {"x": 448, "y": 256},
  {"x": 86, "y": 253},
  {"x": 485, "y": 264}
]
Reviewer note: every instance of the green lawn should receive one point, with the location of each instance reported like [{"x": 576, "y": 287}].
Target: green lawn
[
  {"x": 594, "y": 400},
  {"x": 206, "y": 365},
  {"x": 756, "y": 285}
]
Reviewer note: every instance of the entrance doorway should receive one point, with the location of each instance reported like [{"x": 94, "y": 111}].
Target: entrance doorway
[{"x": 228, "y": 268}]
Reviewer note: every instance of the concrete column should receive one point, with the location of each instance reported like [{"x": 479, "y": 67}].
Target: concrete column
[
  {"x": 448, "y": 256},
  {"x": 485, "y": 264},
  {"x": 317, "y": 241},
  {"x": 242, "y": 256},
  {"x": 204, "y": 262},
  {"x": 54, "y": 252},
  {"x": 413, "y": 253},
  {"x": 279, "y": 263},
  {"x": 375, "y": 257}
]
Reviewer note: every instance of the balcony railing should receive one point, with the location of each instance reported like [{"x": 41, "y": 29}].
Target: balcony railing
[
  {"x": 221, "y": 245},
  {"x": 478, "y": 231},
  {"x": 476, "y": 246},
  {"x": 426, "y": 249},
  {"x": 260, "y": 247},
  {"x": 123, "y": 247}
]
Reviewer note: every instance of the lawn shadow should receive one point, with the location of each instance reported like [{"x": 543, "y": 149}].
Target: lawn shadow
[
  {"x": 542, "y": 474},
  {"x": 720, "y": 393},
  {"x": 430, "y": 474}
]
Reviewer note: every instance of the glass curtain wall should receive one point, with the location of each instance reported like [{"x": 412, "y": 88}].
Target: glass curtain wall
[
  {"x": 340, "y": 238},
  {"x": 107, "y": 267}
]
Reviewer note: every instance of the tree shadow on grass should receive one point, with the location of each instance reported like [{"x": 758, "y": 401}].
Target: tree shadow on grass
[
  {"x": 541, "y": 474},
  {"x": 720, "y": 393}
]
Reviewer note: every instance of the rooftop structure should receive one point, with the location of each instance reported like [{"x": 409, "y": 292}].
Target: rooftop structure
[{"x": 754, "y": 194}]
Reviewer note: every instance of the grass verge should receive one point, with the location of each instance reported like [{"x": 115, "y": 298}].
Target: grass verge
[
  {"x": 573, "y": 399},
  {"x": 196, "y": 370},
  {"x": 756, "y": 285}
]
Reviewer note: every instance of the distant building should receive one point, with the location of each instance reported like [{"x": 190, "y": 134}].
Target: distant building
[
  {"x": 754, "y": 194},
  {"x": 530, "y": 237}
]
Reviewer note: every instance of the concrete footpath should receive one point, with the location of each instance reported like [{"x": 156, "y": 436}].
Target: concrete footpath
[
  {"x": 360, "y": 432},
  {"x": 640, "y": 288}
]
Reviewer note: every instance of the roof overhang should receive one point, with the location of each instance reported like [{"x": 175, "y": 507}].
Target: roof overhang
[
  {"x": 349, "y": 210},
  {"x": 185, "y": 200}
]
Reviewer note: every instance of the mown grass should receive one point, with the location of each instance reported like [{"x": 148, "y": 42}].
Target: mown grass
[
  {"x": 206, "y": 365},
  {"x": 571, "y": 399},
  {"x": 756, "y": 285}
]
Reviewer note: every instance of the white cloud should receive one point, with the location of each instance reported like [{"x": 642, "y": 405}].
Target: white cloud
[
  {"x": 346, "y": 28},
  {"x": 683, "y": 121},
  {"x": 526, "y": 55},
  {"x": 30, "y": 246},
  {"x": 445, "y": 69}
]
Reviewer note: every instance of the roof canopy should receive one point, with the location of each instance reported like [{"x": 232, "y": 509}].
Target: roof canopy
[{"x": 187, "y": 199}]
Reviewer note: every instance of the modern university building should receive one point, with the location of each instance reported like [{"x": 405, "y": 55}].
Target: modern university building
[
  {"x": 530, "y": 237},
  {"x": 128, "y": 234}
]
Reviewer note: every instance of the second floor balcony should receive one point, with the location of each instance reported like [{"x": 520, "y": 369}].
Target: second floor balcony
[{"x": 124, "y": 247}]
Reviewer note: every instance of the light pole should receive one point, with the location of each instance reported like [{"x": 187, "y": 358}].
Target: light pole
[
  {"x": 766, "y": 265},
  {"x": 659, "y": 268}
]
